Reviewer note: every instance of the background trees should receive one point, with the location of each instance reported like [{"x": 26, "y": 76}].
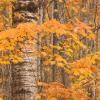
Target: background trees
[{"x": 60, "y": 42}]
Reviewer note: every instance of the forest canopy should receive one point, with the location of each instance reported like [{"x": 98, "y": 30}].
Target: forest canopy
[{"x": 49, "y": 49}]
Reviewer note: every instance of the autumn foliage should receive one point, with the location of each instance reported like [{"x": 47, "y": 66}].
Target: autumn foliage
[
  {"x": 60, "y": 47},
  {"x": 16, "y": 42}
]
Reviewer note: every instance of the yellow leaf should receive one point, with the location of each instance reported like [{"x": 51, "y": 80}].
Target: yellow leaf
[
  {"x": 56, "y": 47},
  {"x": 43, "y": 53},
  {"x": 68, "y": 71},
  {"x": 83, "y": 34},
  {"x": 60, "y": 64},
  {"x": 1, "y": 98},
  {"x": 76, "y": 72},
  {"x": 93, "y": 59},
  {"x": 92, "y": 36},
  {"x": 37, "y": 97},
  {"x": 81, "y": 44}
]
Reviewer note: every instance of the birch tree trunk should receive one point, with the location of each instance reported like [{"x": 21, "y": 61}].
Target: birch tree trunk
[{"x": 24, "y": 74}]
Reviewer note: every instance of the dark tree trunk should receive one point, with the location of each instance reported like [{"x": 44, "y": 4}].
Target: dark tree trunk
[{"x": 5, "y": 70}]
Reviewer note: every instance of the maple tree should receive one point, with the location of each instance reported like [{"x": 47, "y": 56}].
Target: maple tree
[
  {"x": 15, "y": 44},
  {"x": 14, "y": 41}
]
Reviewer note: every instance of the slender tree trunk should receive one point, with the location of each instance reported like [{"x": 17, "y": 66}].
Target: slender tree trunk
[
  {"x": 5, "y": 70},
  {"x": 98, "y": 73}
]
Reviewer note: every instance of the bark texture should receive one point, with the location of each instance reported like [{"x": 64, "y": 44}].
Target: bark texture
[
  {"x": 98, "y": 74},
  {"x": 24, "y": 74},
  {"x": 23, "y": 84},
  {"x": 5, "y": 70},
  {"x": 25, "y": 11}
]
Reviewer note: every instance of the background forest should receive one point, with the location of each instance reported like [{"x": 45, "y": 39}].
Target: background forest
[{"x": 49, "y": 49}]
